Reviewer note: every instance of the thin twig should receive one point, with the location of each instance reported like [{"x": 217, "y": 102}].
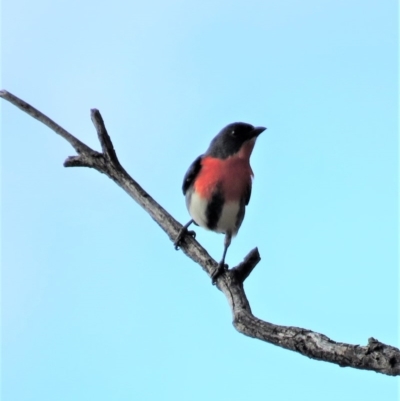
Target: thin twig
[
  {"x": 104, "y": 139},
  {"x": 79, "y": 146}
]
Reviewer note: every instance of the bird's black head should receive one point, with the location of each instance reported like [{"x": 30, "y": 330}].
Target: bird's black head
[{"x": 231, "y": 138}]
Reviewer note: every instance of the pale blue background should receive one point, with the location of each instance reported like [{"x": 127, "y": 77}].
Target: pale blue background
[{"x": 96, "y": 304}]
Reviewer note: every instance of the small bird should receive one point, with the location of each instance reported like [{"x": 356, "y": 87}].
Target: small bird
[{"x": 217, "y": 185}]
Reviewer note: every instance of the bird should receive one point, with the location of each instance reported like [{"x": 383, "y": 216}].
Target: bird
[{"x": 217, "y": 185}]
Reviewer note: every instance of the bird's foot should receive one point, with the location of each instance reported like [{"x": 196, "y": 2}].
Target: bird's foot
[
  {"x": 221, "y": 269},
  {"x": 184, "y": 231}
]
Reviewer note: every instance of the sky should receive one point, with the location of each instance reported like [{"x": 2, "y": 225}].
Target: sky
[{"x": 96, "y": 303}]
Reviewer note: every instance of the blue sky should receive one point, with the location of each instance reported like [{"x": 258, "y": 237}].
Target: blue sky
[{"x": 96, "y": 304}]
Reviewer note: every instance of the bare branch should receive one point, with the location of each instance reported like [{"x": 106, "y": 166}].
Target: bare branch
[
  {"x": 375, "y": 356},
  {"x": 80, "y": 161},
  {"x": 244, "y": 269},
  {"x": 79, "y": 146},
  {"x": 104, "y": 138}
]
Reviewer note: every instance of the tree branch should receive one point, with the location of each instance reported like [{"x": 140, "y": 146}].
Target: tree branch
[{"x": 374, "y": 356}]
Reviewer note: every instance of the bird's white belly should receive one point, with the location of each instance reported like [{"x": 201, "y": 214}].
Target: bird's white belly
[{"x": 227, "y": 220}]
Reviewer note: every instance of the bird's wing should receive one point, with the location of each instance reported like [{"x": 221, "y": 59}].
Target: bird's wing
[
  {"x": 248, "y": 194},
  {"x": 191, "y": 174}
]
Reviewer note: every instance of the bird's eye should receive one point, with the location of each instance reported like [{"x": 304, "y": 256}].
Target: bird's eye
[{"x": 233, "y": 133}]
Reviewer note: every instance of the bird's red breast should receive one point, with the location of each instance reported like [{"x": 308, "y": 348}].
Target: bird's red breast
[{"x": 233, "y": 175}]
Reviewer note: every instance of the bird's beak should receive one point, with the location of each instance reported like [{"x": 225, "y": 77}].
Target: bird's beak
[{"x": 257, "y": 131}]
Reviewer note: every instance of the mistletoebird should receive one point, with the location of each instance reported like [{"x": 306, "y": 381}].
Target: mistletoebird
[{"x": 217, "y": 185}]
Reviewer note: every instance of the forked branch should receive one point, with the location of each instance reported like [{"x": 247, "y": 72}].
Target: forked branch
[{"x": 374, "y": 356}]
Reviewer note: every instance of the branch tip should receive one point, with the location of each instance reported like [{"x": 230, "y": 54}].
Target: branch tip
[
  {"x": 75, "y": 161},
  {"x": 244, "y": 269},
  {"x": 104, "y": 139}
]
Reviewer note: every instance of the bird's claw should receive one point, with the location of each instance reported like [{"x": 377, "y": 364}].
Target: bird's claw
[
  {"x": 221, "y": 269},
  {"x": 181, "y": 234}
]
